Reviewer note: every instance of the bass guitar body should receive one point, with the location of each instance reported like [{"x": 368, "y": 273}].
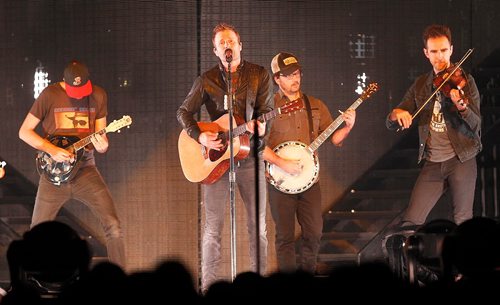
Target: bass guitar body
[{"x": 59, "y": 172}]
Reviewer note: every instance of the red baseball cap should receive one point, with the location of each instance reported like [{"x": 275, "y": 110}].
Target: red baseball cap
[{"x": 76, "y": 78}]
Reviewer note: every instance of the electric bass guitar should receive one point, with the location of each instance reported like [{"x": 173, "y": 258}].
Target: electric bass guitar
[
  {"x": 60, "y": 172},
  {"x": 203, "y": 165},
  {"x": 296, "y": 150}
]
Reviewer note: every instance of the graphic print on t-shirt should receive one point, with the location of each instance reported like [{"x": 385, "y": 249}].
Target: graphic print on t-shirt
[
  {"x": 72, "y": 120},
  {"x": 437, "y": 119}
]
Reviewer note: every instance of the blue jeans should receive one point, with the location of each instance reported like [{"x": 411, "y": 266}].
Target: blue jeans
[
  {"x": 216, "y": 199},
  {"x": 89, "y": 187},
  {"x": 437, "y": 177}
]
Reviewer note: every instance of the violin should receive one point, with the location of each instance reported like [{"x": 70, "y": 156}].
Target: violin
[{"x": 446, "y": 82}]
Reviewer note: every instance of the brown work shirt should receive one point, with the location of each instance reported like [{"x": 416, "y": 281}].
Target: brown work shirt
[{"x": 295, "y": 126}]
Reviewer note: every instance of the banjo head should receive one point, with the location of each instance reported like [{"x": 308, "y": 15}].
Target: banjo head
[{"x": 294, "y": 184}]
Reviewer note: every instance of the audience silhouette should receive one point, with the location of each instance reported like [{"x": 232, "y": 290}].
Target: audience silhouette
[
  {"x": 48, "y": 260},
  {"x": 51, "y": 265},
  {"x": 472, "y": 254}
]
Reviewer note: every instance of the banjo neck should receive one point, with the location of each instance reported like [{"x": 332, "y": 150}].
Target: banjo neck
[
  {"x": 333, "y": 126},
  {"x": 372, "y": 88}
]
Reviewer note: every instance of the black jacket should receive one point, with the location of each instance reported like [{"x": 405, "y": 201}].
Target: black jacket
[
  {"x": 464, "y": 128},
  {"x": 253, "y": 97}
]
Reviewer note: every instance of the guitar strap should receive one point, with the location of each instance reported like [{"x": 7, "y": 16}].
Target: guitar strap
[
  {"x": 309, "y": 117},
  {"x": 89, "y": 113},
  {"x": 91, "y": 125}
]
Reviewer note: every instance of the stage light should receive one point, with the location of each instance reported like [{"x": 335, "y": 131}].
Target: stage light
[{"x": 41, "y": 80}]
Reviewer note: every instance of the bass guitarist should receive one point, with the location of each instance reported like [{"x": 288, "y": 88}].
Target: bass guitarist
[
  {"x": 303, "y": 126},
  {"x": 56, "y": 108},
  {"x": 251, "y": 86}
]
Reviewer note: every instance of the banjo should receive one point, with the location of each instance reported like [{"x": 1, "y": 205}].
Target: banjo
[{"x": 295, "y": 150}]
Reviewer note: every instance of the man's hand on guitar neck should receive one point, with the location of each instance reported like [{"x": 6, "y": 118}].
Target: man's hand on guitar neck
[
  {"x": 100, "y": 142},
  {"x": 210, "y": 140},
  {"x": 250, "y": 126}
]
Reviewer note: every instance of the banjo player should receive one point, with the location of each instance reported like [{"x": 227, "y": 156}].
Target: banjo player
[{"x": 290, "y": 135}]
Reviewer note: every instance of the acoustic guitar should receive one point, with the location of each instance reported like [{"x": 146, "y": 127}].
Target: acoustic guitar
[{"x": 203, "y": 165}]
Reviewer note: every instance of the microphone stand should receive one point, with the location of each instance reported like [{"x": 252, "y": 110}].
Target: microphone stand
[
  {"x": 232, "y": 175},
  {"x": 257, "y": 194}
]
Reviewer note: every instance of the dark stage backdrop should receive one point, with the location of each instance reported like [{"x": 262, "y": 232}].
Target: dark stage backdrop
[{"x": 146, "y": 54}]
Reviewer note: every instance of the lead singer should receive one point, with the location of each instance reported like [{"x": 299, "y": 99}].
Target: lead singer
[{"x": 251, "y": 89}]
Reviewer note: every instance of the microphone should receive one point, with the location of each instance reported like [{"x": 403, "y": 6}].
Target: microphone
[{"x": 229, "y": 55}]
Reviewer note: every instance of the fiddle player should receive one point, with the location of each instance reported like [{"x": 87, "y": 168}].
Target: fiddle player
[{"x": 449, "y": 129}]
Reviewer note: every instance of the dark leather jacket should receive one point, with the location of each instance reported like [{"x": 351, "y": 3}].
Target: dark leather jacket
[
  {"x": 253, "y": 97},
  {"x": 464, "y": 128}
]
